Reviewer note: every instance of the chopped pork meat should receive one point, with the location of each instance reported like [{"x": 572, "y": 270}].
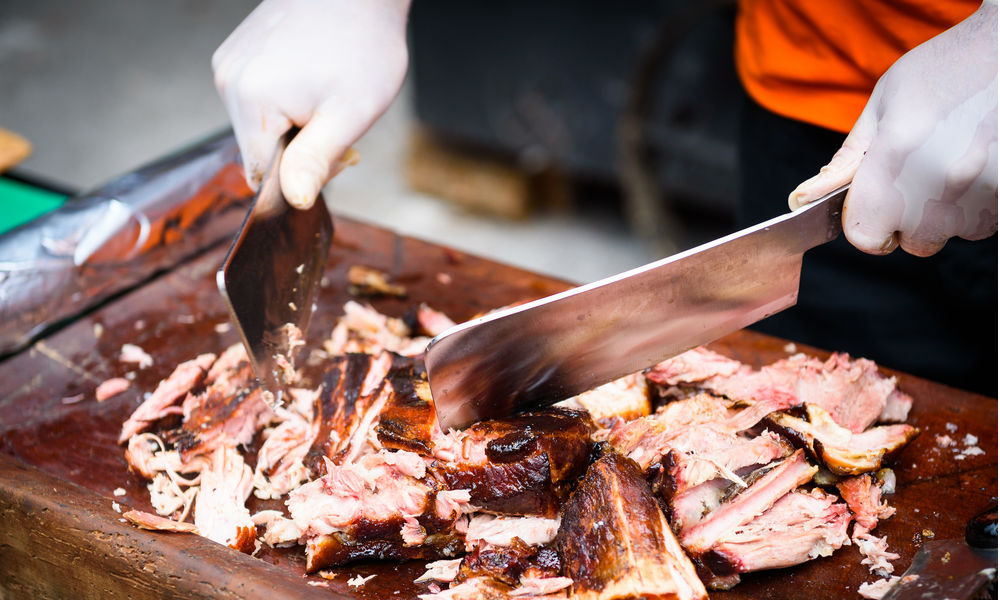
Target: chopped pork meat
[
  {"x": 615, "y": 542},
  {"x": 499, "y": 530},
  {"x": 521, "y": 465},
  {"x": 540, "y": 586},
  {"x": 694, "y": 366},
  {"x": 135, "y": 355},
  {"x": 220, "y": 419},
  {"x": 363, "y": 329},
  {"x": 877, "y": 589},
  {"x": 161, "y": 402},
  {"x": 366, "y": 281},
  {"x": 352, "y": 395},
  {"x": 145, "y": 520},
  {"x": 836, "y": 447},
  {"x": 220, "y": 513},
  {"x": 864, "y": 497},
  {"x": 407, "y": 420},
  {"x": 852, "y": 391},
  {"x": 280, "y": 461},
  {"x": 782, "y": 478},
  {"x": 382, "y": 505},
  {"x": 441, "y": 570},
  {"x": 510, "y": 507},
  {"x": 230, "y": 361},
  {"x": 799, "y": 527},
  {"x": 507, "y": 565},
  {"x": 111, "y": 387},
  {"x": 875, "y": 551},
  {"x": 619, "y": 401},
  {"x": 433, "y": 322}
]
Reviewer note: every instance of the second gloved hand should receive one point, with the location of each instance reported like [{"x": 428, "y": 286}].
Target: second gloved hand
[
  {"x": 923, "y": 154},
  {"x": 330, "y": 67}
]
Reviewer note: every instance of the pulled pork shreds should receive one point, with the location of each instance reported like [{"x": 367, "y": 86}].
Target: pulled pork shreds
[
  {"x": 621, "y": 400},
  {"x": 135, "y": 355},
  {"x": 364, "y": 469},
  {"x": 366, "y": 281},
  {"x": 852, "y": 391},
  {"x": 877, "y": 589},
  {"x": 499, "y": 530},
  {"x": 433, "y": 322},
  {"x": 440, "y": 570},
  {"x": 111, "y": 387},
  {"x": 358, "y": 580},
  {"x": 541, "y": 586},
  {"x": 864, "y": 498},
  {"x": 875, "y": 551},
  {"x": 162, "y": 401},
  {"x": 145, "y": 520}
]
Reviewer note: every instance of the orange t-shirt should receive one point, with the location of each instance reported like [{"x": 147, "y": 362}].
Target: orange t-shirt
[{"x": 818, "y": 60}]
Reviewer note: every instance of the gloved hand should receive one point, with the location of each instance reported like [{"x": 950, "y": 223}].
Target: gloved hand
[
  {"x": 923, "y": 154},
  {"x": 331, "y": 67}
]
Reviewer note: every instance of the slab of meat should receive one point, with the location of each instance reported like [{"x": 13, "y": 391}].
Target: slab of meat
[
  {"x": 836, "y": 447},
  {"x": 614, "y": 541}
]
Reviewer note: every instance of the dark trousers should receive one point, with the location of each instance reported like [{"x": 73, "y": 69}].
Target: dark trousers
[{"x": 933, "y": 317}]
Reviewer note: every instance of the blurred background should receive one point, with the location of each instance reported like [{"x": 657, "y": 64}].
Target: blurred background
[{"x": 577, "y": 142}]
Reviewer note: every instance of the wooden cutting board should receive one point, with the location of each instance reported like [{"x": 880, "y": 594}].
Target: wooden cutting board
[{"x": 61, "y": 535}]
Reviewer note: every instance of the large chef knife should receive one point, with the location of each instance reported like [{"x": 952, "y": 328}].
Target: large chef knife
[
  {"x": 962, "y": 569},
  {"x": 271, "y": 276},
  {"x": 548, "y": 350}
]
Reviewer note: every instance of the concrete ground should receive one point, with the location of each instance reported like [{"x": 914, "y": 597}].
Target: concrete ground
[{"x": 102, "y": 86}]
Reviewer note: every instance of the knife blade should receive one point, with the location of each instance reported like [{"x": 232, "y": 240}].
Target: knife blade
[
  {"x": 544, "y": 351},
  {"x": 271, "y": 274},
  {"x": 960, "y": 568}
]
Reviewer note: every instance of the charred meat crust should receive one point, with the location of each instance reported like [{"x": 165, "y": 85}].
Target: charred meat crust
[
  {"x": 506, "y": 564},
  {"x": 716, "y": 571},
  {"x": 614, "y": 538},
  {"x": 340, "y": 548},
  {"x": 519, "y": 488},
  {"x": 339, "y": 406},
  {"x": 407, "y": 420},
  {"x": 532, "y": 462},
  {"x": 216, "y": 413}
]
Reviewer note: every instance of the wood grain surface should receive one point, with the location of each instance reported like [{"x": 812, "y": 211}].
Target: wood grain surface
[{"x": 59, "y": 464}]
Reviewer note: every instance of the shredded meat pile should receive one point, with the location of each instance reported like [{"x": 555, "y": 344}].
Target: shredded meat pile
[{"x": 703, "y": 467}]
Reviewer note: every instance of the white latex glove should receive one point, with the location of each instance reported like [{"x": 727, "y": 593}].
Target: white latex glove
[
  {"x": 923, "y": 154},
  {"x": 331, "y": 67}
]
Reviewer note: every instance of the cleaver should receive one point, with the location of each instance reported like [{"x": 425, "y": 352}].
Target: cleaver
[
  {"x": 271, "y": 275},
  {"x": 959, "y": 569},
  {"x": 541, "y": 352}
]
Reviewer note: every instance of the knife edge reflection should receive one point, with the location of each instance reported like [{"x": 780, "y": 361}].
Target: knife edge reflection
[{"x": 544, "y": 351}]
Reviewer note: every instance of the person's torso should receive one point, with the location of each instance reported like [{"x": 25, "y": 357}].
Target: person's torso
[{"x": 818, "y": 60}]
